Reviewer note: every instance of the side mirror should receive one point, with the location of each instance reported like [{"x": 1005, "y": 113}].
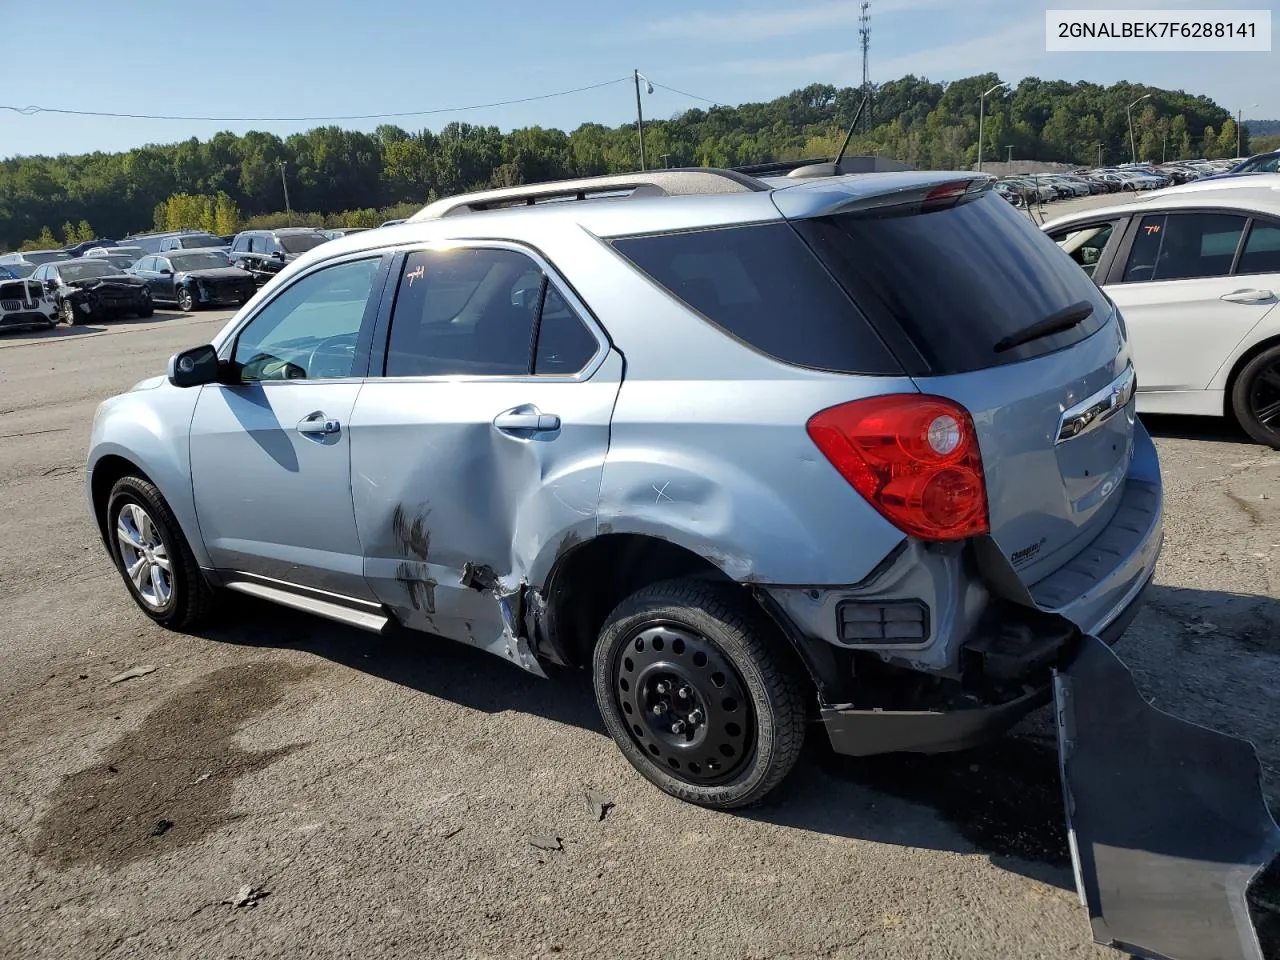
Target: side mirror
[
  {"x": 166, "y": 272},
  {"x": 278, "y": 255},
  {"x": 194, "y": 367},
  {"x": 51, "y": 285}
]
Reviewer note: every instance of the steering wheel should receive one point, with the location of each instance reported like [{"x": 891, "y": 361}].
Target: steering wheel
[{"x": 332, "y": 357}]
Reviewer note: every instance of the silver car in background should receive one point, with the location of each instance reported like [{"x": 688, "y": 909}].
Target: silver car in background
[{"x": 858, "y": 450}]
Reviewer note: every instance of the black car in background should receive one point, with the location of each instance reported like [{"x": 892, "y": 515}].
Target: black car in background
[
  {"x": 195, "y": 278},
  {"x": 191, "y": 241},
  {"x": 265, "y": 252},
  {"x": 93, "y": 290},
  {"x": 84, "y": 246}
]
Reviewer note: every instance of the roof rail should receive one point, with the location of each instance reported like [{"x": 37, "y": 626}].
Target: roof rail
[
  {"x": 777, "y": 167},
  {"x": 685, "y": 181}
]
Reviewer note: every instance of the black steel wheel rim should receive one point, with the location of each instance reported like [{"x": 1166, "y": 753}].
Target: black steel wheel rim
[
  {"x": 1264, "y": 396},
  {"x": 684, "y": 704}
]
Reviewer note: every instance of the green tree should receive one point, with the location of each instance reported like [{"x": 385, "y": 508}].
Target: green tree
[
  {"x": 68, "y": 234},
  {"x": 226, "y": 215},
  {"x": 46, "y": 241},
  {"x": 84, "y": 232},
  {"x": 1209, "y": 144},
  {"x": 1227, "y": 139}
]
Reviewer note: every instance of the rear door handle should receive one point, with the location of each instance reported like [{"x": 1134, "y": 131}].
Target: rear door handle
[
  {"x": 526, "y": 419},
  {"x": 318, "y": 424},
  {"x": 1248, "y": 296}
]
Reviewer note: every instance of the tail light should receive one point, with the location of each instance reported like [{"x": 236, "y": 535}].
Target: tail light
[{"x": 914, "y": 458}]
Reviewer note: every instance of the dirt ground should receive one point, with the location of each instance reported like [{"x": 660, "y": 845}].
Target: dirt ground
[{"x": 285, "y": 787}]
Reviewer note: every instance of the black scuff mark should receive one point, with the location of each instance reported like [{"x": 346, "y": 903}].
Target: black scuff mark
[
  {"x": 567, "y": 543},
  {"x": 604, "y": 529},
  {"x": 412, "y": 536},
  {"x": 421, "y": 587}
]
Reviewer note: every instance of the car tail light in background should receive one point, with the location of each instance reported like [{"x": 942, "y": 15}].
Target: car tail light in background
[{"x": 914, "y": 458}]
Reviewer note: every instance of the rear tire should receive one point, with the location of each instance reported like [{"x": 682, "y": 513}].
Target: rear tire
[
  {"x": 153, "y": 557},
  {"x": 700, "y": 693},
  {"x": 1255, "y": 397}
]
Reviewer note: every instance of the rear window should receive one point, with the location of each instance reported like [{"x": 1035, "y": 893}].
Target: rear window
[
  {"x": 301, "y": 242},
  {"x": 199, "y": 240},
  {"x": 762, "y": 286},
  {"x": 956, "y": 280}
]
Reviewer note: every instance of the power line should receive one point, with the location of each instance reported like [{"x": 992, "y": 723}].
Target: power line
[
  {"x": 691, "y": 96},
  {"x": 33, "y": 109}
]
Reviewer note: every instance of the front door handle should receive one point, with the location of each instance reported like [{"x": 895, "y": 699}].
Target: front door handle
[
  {"x": 318, "y": 424},
  {"x": 526, "y": 419},
  {"x": 1248, "y": 296}
]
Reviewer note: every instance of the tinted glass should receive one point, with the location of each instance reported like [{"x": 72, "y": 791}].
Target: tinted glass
[
  {"x": 198, "y": 240},
  {"x": 46, "y": 256},
  {"x": 462, "y": 313},
  {"x": 957, "y": 280},
  {"x": 87, "y": 269},
  {"x": 310, "y": 330},
  {"x": 565, "y": 345},
  {"x": 240, "y": 244},
  {"x": 301, "y": 242},
  {"x": 1262, "y": 249},
  {"x": 1183, "y": 246},
  {"x": 1085, "y": 244},
  {"x": 206, "y": 260},
  {"x": 761, "y": 285}
]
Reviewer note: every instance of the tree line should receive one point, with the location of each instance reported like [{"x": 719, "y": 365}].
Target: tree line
[{"x": 353, "y": 178}]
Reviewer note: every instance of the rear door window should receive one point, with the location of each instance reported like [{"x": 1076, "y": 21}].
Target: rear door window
[
  {"x": 761, "y": 285},
  {"x": 956, "y": 280},
  {"x": 1261, "y": 249},
  {"x": 1084, "y": 244},
  {"x": 1183, "y": 246}
]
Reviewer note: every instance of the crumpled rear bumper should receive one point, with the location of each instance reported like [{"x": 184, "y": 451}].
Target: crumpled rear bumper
[{"x": 1167, "y": 820}]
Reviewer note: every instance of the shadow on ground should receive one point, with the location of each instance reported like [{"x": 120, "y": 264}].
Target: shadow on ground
[{"x": 1211, "y": 429}]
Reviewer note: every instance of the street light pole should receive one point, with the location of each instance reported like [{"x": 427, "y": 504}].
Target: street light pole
[
  {"x": 1240, "y": 127},
  {"x": 1100, "y": 145},
  {"x": 1128, "y": 111},
  {"x": 982, "y": 105},
  {"x": 1009, "y": 147},
  {"x": 638, "y": 76},
  {"x": 285, "y": 183}
]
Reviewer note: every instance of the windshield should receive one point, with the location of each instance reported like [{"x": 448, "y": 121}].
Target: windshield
[
  {"x": 201, "y": 240},
  {"x": 87, "y": 270},
  {"x": 1267, "y": 164},
  {"x": 300, "y": 242},
  {"x": 205, "y": 260},
  {"x": 46, "y": 256}
]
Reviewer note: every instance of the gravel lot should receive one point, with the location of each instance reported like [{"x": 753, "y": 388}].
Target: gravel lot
[{"x": 378, "y": 797}]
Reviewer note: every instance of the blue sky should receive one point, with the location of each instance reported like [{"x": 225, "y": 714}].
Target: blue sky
[{"x": 327, "y": 57}]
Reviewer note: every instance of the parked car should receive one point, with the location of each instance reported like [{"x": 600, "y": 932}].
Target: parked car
[
  {"x": 24, "y": 304},
  {"x": 861, "y": 515},
  {"x": 84, "y": 290},
  {"x": 78, "y": 249},
  {"x": 155, "y": 242},
  {"x": 191, "y": 241},
  {"x": 1262, "y": 163},
  {"x": 264, "y": 253},
  {"x": 1196, "y": 274},
  {"x": 195, "y": 278},
  {"x": 391, "y": 223},
  {"x": 122, "y": 257},
  {"x": 337, "y": 232},
  {"x": 25, "y": 262}
]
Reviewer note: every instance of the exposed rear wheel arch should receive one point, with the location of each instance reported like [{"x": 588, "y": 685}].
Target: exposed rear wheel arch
[{"x": 1228, "y": 410}]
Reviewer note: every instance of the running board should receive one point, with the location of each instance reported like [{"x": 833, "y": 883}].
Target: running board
[{"x": 361, "y": 619}]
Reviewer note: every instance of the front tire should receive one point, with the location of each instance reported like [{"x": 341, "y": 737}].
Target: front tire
[
  {"x": 66, "y": 313},
  {"x": 1255, "y": 397},
  {"x": 186, "y": 302},
  {"x": 700, "y": 693},
  {"x": 153, "y": 556}
]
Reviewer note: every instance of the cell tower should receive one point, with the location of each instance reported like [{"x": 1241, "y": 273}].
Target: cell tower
[{"x": 864, "y": 36}]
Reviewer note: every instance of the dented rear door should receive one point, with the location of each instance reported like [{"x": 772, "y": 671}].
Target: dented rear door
[{"x": 477, "y": 456}]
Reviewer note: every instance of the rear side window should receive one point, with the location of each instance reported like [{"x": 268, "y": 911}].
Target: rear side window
[
  {"x": 761, "y": 285},
  {"x": 1183, "y": 246},
  {"x": 957, "y": 280},
  {"x": 1262, "y": 249}
]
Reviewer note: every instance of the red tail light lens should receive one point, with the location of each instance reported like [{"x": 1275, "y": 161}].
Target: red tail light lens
[{"x": 914, "y": 458}]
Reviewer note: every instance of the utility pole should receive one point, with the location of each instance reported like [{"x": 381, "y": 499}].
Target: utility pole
[
  {"x": 864, "y": 39},
  {"x": 1100, "y": 145},
  {"x": 285, "y": 183},
  {"x": 638, "y": 76},
  {"x": 1009, "y": 147}
]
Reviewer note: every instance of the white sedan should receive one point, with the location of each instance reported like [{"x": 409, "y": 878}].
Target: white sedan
[{"x": 1196, "y": 275}]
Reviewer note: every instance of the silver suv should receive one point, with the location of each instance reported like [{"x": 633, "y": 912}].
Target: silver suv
[{"x": 858, "y": 450}]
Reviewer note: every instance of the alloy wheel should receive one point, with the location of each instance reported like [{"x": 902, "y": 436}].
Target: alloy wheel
[
  {"x": 684, "y": 703},
  {"x": 144, "y": 556},
  {"x": 1264, "y": 396}
]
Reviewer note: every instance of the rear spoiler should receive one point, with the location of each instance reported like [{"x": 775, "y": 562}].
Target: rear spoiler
[{"x": 905, "y": 192}]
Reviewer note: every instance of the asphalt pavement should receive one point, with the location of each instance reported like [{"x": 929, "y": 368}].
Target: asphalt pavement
[{"x": 284, "y": 787}]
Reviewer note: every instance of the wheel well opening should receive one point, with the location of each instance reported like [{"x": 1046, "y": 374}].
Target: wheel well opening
[
  {"x": 1229, "y": 410},
  {"x": 589, "y": 582},
  {"x": 106, "y": 472}
]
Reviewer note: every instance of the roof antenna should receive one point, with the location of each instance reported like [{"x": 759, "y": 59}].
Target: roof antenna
[{"x": 832, "y": 168}]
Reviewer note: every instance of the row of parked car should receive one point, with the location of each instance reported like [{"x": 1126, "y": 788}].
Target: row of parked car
[
  {"x": 1022, "y": 190},
  {"x": 102, "y": 279}
]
